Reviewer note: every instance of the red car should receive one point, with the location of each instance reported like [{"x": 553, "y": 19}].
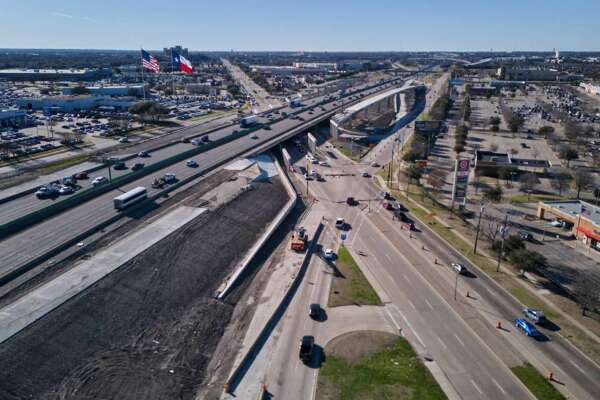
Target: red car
[{"x": 81, "y": 175}]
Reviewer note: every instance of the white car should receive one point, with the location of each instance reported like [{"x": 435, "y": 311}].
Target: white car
[
  {"x": 191, "y": 163},
  {"x": 123, "y": 140},
  {"x": 374, "y": 164},
  {"x": 65, "y": 189},
  {"x": 460, "y": 269},
  {"x": 556, "y": 222},
  {"x": 340, "y": 223},
  {"x": 329, "y": 254},
  {"x": 324, "y": 163},
  {"x": 99, "y": 180}
]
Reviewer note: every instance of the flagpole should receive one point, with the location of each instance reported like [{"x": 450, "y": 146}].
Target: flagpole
[
  {"x": 172, "y": 76},
  {"x": 143, "y": 84}
]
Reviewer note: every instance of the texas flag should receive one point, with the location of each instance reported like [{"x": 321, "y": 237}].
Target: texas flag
[{"x": 181, "y": 63}]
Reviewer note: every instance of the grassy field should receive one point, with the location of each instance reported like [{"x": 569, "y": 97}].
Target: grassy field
[
  {"x": 350, "y": 287},
  {"x": 393, "y": 372},
  {"x": 536, "y": 383},
  {"x": 522, "y": 198}
]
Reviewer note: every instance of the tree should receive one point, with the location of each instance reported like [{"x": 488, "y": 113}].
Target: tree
[
  {"x": 494, "y": 120},
  {"x": 567, "y": 153},
  {"x": 414, "y": 173},
  {"x": 545, "y": 130},
  {"x": 459, "y": 148},
  {"x": 553, "y": 139},
  {"x": 529, "y": 182},
  {"x": 582, "y": 180},
  {"x": 506, "y": 173},
  {"x": 493, "y": 194},
  {"x": 149, "y": 110},
  {"x": 515, "y": 122},
  {"x": 527, "y": 261},
  {"x": 513, "y": 243},
  {"x": 587, "y": 291},
  {"x": 561, "y": 180},
  {"x": 495, "y": 128},
  {"x": 572, "y": 131},
  {"x": 437, "y": 179}
]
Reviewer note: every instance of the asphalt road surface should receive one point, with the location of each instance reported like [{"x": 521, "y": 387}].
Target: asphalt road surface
[
  {"x": 423, "y": 292},
  {"x": 35, "y": 241}
]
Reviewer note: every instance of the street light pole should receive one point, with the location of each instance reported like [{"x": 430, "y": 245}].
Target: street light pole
[
  {"x": 456, "y": 285},
  {"x": 477, "y": 233},
  {"x": 504, "y": 228}
]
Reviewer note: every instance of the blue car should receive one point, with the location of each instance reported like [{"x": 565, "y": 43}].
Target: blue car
[{"x": 526, "y": 327}]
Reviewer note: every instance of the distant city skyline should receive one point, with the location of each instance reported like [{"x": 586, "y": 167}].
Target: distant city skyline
[{"x": 270, "y": 25}]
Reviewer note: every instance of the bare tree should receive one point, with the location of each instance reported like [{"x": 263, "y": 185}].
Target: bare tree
[
  {"x": 553, "y": 139},
  {"x": 587, "y": 291},
  {"x": 494, "y": 147},
  {"x": 561, "y": 180},
  {"x": 529, "y": 182},
  {"x": 582, "y": 180}
]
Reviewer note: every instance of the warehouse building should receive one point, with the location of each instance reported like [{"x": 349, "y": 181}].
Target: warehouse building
[
  {"x": 18, "y": 74},
  {"x": 112, "y": 91},
  {"x": 581, "y": 216},
  {"x": 12, "y": 118},
  {"x": 75, "y": 103}
]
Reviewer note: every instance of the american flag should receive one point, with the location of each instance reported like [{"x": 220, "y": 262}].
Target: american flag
[{"x": 149, "y": 62}]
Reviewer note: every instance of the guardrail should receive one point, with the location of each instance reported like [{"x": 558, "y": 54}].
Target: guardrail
[
  {"x": 87, "y": 194},
  {"x": 240, "y": 370},
  {"x": 129, "y": 157}
]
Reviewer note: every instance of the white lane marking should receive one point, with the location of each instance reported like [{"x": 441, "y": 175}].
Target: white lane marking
[
  {"x": 499, "y": 387},
  {"x": 406, "y": 278},
  {"x": 429, "y": 304},
  {"x": 442, "y": 343},
  {"x": 392, "y": 318},
  {"x": 476, "y": 387},
  {"x": 577, "y": 366},
  {"x": 459, "y": 341},
  {"x": 389, "y": 258},
  {"x": 412, "y": 329},
  {"x": 411, "y": 304}
]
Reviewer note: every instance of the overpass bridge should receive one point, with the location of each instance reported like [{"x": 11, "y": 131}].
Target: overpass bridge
[{"x": 376, "y": 117}]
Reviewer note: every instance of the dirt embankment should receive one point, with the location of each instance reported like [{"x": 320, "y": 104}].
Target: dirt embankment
[{"x": 148, "y": 330}]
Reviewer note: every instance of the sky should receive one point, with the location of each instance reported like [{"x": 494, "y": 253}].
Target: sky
[{"x": 303, "y": 25}]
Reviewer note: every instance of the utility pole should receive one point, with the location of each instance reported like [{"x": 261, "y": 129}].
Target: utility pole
[
  {"x": 391, "y": 167},
  {"x": 504, "y": 229},
  {"x": 477, "y": 233}
]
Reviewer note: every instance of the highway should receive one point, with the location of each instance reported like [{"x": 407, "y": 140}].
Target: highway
[
  {"x": 29, "y": 203},
  {"x": 459, "y": 334},
  {"x": 26, "y": 246}
]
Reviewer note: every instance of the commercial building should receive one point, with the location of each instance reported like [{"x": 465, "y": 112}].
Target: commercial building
[
  {"x": 488, "y": 162},
  {"x": 316, "y": 65},
  {"x": 484, "y": 91},
  {"x": 112, "y": 91},
  {"x": 17, "y": 74},
  {"x": 532, "y": 74},
  {"x": 12, "y": 118},
  {"x": 75, "y": 103},
  {"x": 582, "y": 217},
  {"x": 177, "y": 49}
]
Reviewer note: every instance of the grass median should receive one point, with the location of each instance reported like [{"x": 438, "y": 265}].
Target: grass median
[
  {"x": 536, "y": 383},
  {"x": 370, "y": 365},
  {"x": 350, "y": 286}
]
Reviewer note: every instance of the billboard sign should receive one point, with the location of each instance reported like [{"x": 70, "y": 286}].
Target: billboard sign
[{"x": 461, "y": 179}]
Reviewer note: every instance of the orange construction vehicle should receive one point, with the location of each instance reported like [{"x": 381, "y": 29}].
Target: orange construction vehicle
[{"x": 299, "y": 239}]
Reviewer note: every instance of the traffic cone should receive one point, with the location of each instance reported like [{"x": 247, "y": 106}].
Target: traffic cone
[{"x": 499, "y": 325}]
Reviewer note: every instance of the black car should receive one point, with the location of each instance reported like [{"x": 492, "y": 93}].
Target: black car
[
  {"x": 307, "y": 347},
  {"x": 314, "y": 311},
  {"x": 120, "y": 165},
  {"x": 525, "y": 235}
]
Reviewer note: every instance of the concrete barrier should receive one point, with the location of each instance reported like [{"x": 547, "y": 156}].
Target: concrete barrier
[
  {"x": 285, "y": 211},
  {"x": 238, "y": 373}
]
